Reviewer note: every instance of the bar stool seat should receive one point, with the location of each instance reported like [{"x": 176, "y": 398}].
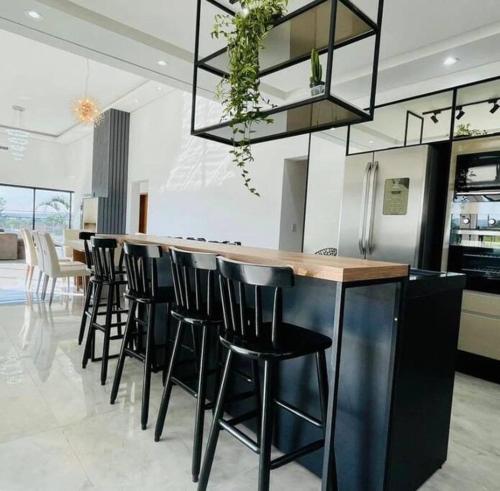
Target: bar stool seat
[
  {"x": 163, "y": 294},
  {"x": 296, "y": 341},
  {"x": 193, "y": 316}
]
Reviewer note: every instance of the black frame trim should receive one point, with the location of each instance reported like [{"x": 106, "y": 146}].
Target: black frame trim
[
  {"x": 365, "y": 115},
  {"x": 34, "y": 190}
]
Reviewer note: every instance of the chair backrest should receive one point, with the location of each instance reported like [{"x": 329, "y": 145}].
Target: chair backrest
[
  {"x": 86, "y": 236},
  {"x": 29, "y": 247},
  {"x": 193, "y": 275},
  {"x": 327, "y": 251},
  {"x": 38, "y": 249},
  {"x": 69, "y": 234},
  {"x": 50, "y": 258},
  {"x": 103, "y": 258},
  {"x": 234, "y": 277},
  {"x": 141, "y": 264}
]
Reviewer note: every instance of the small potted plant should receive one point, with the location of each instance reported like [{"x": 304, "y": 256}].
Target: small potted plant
[{"x": 316, "y": 84}]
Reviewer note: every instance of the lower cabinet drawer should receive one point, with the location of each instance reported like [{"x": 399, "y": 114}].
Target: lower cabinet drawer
[{"x": 480, "y": 324}]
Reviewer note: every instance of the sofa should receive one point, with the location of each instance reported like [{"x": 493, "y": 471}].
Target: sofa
[{"x": 8, "y": 246}]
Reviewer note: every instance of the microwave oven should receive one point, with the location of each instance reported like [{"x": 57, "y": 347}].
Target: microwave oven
[{"x": 478, "y": 174}]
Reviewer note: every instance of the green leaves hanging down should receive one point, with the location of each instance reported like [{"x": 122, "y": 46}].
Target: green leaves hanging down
[{"x": 239, "y": 93}]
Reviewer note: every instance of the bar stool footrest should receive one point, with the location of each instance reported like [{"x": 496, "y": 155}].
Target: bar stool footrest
[
  {"x": 240, "y": 436},
  {"x": 287, "y": 458},
  {"x": 297, "y": 412}
]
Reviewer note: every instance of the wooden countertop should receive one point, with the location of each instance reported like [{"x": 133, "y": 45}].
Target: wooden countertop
[{"x": 341, "y": 269}]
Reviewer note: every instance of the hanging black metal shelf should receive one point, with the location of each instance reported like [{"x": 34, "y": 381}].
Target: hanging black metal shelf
[{"x": 324, "y": 25}]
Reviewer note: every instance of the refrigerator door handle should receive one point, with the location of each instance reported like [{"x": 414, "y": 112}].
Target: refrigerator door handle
[
  {"x": 364, "y": 203},
  {"x": 371, "y": 209}
]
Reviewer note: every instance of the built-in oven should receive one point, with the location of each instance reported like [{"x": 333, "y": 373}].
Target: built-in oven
[
  {"x": 478, "y": 177},
  {"x": 481, "y": 265},
  {"x": 475, "y": 246}
]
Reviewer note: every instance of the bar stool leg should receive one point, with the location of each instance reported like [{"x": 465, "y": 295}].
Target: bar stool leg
[
  {"x": 146, "y": 386},
  {"x": 118, "y": 305},
  {"x": 215, "y": 429},
  {"x": 107, "y": 334},
  {"x": 200, "y": 406},
  {"x": 267, "y": 424},
  {"x": 322, "y": 384},
  {"x": 258, "y": 395},
  {"x": 88, "y": 297},
  {"x": 121, "y": 360},
  {"x": 166, "y": 349},
  {"x": 91, "y": 331},
  {"x": 167, "y": 390}
]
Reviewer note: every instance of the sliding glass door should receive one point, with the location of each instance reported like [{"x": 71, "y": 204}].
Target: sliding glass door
[{"x": 35, "y": 208}]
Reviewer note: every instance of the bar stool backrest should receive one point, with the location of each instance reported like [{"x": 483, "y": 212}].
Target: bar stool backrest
[
  {"x": 103, "y": 258},
  {"x": 234, "y": 276},
  {"x": 193, "y": 275},
  {"x": 141, "y": 265},
  {"x": 86, "y": 236}
]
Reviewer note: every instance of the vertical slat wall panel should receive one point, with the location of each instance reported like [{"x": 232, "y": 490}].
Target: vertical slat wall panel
[{"x": 110, "y": 172}]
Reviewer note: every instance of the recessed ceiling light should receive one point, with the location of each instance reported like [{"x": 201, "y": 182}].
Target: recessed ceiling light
[
  {"x": 33, "y": 14},
  {"x": 162, "y": 62},
  {"x": 371, "y": 142},
  {"x": 451, "y": 60}
]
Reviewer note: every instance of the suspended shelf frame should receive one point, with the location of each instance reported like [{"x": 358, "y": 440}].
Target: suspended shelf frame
[{"x": 315, "y": 113}]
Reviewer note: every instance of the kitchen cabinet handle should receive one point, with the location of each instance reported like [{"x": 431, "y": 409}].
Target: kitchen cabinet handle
[
  {"x": 364, "y": 204},
  {"x": 371, "y": 210}
]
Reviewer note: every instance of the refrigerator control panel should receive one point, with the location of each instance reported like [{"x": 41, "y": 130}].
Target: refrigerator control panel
[{"x": 396, "y": 193}]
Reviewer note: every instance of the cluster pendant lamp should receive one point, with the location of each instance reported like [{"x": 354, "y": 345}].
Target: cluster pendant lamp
[
  {"x": 86, "y": 109},
  {"x": 322, "y": 27}
]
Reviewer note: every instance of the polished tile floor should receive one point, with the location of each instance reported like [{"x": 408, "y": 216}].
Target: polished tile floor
[{"x": 58, "y": 430}]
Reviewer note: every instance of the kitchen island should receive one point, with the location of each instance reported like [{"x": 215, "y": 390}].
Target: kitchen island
[{"x": 377, "y": 401}]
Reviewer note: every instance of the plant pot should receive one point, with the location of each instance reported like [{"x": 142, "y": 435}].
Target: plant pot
[{"x": 318, "y": 89}]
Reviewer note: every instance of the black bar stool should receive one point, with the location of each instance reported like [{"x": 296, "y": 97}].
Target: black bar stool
[
  {"x": 87, "y": 308},
  {"x": 269, "y": 342},
  {"x": 195, "y": 306},
  {"x": 105, "y": 274},
  {"x": 141, "y": 263}
]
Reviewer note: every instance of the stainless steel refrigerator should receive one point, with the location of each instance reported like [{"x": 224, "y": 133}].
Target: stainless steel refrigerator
[{"x": 387, "y": 206}]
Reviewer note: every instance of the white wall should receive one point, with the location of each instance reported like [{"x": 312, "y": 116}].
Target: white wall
[
  {"x": 324, "y": 191},
  {"x": 194, "y": 189}
]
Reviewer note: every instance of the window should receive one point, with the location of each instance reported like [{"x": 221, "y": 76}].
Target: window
[{"x": 48, "y": 210}]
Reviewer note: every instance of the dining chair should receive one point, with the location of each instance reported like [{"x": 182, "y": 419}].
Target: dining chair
[
  {"x": 54, "y": 268},
  {"x": 30, "y": 254}
]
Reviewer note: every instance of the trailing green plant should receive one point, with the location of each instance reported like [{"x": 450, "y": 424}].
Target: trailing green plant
[
  {"x": 466, "y": 130},
  {"x": 239, "y": 93},
  {"x": 316, "y": 70}
]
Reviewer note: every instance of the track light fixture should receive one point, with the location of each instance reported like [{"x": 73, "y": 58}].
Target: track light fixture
[
  {"x": 460, "y": 113},
  {"x": 495, "y": 107},
  {"x": 434, "y": 117}
]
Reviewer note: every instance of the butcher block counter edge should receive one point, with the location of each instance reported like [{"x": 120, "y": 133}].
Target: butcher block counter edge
[{"x": 330, "y": 268}]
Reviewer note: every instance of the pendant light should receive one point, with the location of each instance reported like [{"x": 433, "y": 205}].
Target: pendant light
[
  {"x": 86, "y": 109},
  {"x": 17, "y": 137}
]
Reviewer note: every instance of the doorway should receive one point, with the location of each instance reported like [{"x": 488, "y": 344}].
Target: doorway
[
  {"x": 293, "y": 201},
  {"x": 143, "y": 213}
]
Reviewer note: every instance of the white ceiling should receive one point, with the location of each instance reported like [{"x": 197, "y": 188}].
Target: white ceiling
[
  {"x": 48, "y": 81},
  {"x": 417, "y": 37}
]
